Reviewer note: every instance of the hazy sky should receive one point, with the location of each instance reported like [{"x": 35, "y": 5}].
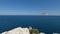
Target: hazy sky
[{"x": 29, "y": 7}]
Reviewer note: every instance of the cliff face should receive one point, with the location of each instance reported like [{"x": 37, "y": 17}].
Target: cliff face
[{"x": 18, "y": 30}]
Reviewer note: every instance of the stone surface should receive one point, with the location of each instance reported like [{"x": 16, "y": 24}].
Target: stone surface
[{"x": 18, "y": 30}]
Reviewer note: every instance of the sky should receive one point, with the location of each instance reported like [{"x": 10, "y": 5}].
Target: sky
[{"x": 29, "y": 7}]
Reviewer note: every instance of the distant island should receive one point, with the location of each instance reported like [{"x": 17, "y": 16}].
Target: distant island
[{"x": 44, "y": 13}]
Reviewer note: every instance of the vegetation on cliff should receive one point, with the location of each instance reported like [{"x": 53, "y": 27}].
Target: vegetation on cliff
[{"x": 34, "y": 31}]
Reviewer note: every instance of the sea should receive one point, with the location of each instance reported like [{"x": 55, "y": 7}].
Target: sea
[{"x": 46, "y": 24}]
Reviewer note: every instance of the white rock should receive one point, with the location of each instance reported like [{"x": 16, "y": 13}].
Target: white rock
[
  {"x": 55, "y": 33},
  {"x": 18, "y": 30},
  {"x": 42, "y": 33}
]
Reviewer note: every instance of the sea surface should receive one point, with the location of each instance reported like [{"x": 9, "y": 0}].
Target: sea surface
[{"x": 46, "y": 24}]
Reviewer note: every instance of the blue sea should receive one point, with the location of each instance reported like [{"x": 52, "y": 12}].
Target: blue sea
[{"x": 47, "y": 24}]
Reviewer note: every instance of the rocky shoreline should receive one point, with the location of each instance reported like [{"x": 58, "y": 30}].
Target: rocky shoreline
[{"x": 20, "y": 30}]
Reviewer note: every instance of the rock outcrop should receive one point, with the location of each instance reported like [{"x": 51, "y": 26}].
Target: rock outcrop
[{"x": 18, "y": 30}]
